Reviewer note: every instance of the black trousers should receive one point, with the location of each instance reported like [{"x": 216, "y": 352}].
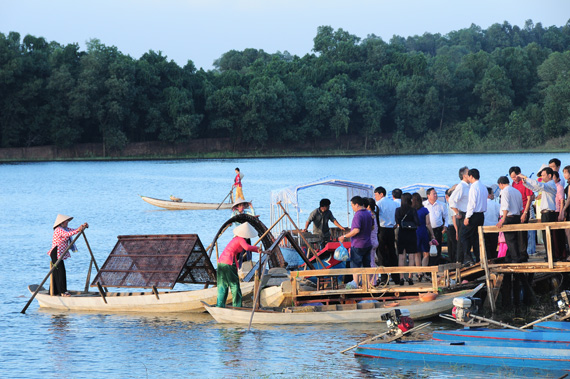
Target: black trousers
[
  {"x": 438, "y": 233},
  {"x": 59, "y": 277},
  {"x": 459, "y": 247},
  {"x": 523, "y": 243},
  {"x": 469, "y": 237},
  {"x": 557, "y": 253},
  {"x": 386, "y": 252},
  {"x": 512, "y": 240},
  {"x": 491, "y": 242}
]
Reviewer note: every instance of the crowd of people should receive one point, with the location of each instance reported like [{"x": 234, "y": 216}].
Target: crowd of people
[{"x": 409, "y": 229}]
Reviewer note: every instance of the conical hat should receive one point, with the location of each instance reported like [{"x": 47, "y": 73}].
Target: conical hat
[
  {"x": 61, "y": 219},
  {"x": 245, "y": 230},
  {"x": 240, "y": 201}
]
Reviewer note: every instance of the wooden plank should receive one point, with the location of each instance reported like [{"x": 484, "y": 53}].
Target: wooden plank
[
  {"x": 365, "y": 270},
  {"x": 485, "y": 264},
  {"x": 527, "y": 227},
  {"x": 448, "y": 266},
  {"x": 549, "y": 247}
]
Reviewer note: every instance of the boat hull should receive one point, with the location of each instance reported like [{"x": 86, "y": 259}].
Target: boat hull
[
  {"x": 507, "y": 337},
  {"x": 172, "y": 301},
  {"x": 367, "y": 312},
  {"x": 469, "y": 353},
  {"x": 184, "y": 205}
]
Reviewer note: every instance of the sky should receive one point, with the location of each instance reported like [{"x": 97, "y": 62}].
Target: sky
[{"x": 203, "y": 30}]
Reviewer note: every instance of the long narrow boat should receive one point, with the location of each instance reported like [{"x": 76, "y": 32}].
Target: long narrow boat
[
  {"x": 469, "y": 353},
  {"x": 341, "y": 313},
  {"x": 507, "y": 337},
  {"x": 184, "y": 205},
  {"x": 168, "y": 301}
]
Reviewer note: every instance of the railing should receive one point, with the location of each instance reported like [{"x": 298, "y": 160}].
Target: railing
[{"x": 548, "y": 266}]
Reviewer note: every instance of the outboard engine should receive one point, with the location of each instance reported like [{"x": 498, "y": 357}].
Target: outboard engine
[
  {"x": 562, "y": 300},
  {"x": 465, "y": 307},
  {"x": 398, "y": 321}
]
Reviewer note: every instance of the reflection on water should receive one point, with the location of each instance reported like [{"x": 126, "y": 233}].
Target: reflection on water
[{"x": 48, "y": 344}]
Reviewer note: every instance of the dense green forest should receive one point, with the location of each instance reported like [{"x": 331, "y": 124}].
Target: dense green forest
[{"x": 502, "y": 88}]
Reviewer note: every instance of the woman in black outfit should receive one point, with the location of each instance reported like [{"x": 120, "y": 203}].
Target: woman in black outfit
[{"x": 407, "y": 221}]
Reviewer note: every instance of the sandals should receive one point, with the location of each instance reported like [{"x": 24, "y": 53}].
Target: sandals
[{"x": 65, "y": 294}]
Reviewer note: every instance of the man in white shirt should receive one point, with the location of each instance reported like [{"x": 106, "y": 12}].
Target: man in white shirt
[
  {"x": 438, "y": 219},
  {"x": 386, "y": 252},
  {"x": 474, "y": 217},
  {"x": 458, "y": 204},
  {"x": 548, "y": 200},
  {"x": 511, "y": 209},
  {"x": 491, "y": 218}
]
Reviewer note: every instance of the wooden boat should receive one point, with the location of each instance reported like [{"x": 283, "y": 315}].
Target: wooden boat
[
  {"x": 507, "y": 337},
  {"x": 184, "y": 205},
  {"x": 339, "y": 313},
  {"x": 168, "y": 301},
  {"x": 468, "y": 352}
]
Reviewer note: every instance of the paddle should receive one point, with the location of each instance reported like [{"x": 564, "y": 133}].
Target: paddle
[
  {"x": 50, "y": 271},
  {"x": 255, "y": 299},
  {"x": 232, "y": 190},
  {"x": 383, "y": 334}
]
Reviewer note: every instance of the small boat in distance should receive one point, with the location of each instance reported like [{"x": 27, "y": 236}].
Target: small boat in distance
[{"x": 184, "y": 205}]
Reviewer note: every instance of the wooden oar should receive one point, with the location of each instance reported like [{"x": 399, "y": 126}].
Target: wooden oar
[
  {"x": 50, "y": 271},
  {"x": 232, "y": 190},
  {"x": 383, "y": 334},
  {"x": 255, "y": 299}
]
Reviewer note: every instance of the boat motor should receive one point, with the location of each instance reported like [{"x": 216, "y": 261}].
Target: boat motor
[
  {"x": 465, "y": 307},
  {"x": 398, "y": 321}
]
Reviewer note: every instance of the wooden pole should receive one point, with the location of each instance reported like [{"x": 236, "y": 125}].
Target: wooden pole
[
  {"x": 268, "y": 230},
  {"x": 219, "y": 205},
  {"x": 485, "y": 264},
  {"x": 301, "y": 234},
  {"x": 50, "y": 272},
  {"x": 549, "y": 247},
  {"x": 257, "y": 292},
  {"x": 94, "y": 261},
  {"x": 88, "y": 276}
]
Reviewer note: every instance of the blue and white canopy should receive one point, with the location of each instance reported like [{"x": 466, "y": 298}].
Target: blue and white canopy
[
  {"x": 289, "y": 195},
  {"x": 412, "y": 188}
]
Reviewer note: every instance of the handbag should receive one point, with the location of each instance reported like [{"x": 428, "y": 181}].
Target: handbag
[
  {"x": 408, "y": 224},
  {"x": 433, "y": 251}
]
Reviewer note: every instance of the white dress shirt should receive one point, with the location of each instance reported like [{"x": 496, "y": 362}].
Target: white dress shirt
[
  {"x": 460, "y": 196},
  {"x": 477, "y": 201},
  {"x": 493, "y": 213},
  {"x": 387, "y": 212},
  {"x": 511, "y": 201},
  {"x": 437, "y": 213},
  {"x": 548, "y": 199}
]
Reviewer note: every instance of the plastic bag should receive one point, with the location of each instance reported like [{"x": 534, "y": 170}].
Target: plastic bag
[
  {"x": 433, "y": 251},
  {"x": 341, "y": 254}
]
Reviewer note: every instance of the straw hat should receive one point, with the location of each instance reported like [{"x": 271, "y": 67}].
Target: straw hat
[
  {"x": 240, "y": 201},
  {"x": 61, "y": 219},
  {"x": 245, "y": 230}
]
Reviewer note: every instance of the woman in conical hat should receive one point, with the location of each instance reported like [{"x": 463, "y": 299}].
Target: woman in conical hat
[
  {"x": 61, "y": 240},
  {"x": 227, "y": 264}
]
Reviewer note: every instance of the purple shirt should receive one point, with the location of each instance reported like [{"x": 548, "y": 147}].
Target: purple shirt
[{"x": 364, "y": 222}]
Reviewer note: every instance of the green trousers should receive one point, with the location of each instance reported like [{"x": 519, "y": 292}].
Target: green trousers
[{"x": 228, "y": 277}]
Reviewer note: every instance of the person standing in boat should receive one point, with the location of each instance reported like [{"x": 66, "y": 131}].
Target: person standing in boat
[
  {"x": 227, "y": 273},
  {"x": 237, "y": 184},
  {"x": 320, "y": 218},
  {"x": 243, "y": 207},
  {"x": 61, "y": 239},
  {"x": 360, "y": 243}
]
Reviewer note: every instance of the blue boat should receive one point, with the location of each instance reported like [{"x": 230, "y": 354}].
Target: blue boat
[
  {"x": 561, "y": 326},
  {"x": 507, "y": 337},
  {"x": 469, "y": 353}
]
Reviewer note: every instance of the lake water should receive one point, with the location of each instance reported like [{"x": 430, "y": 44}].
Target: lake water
[{"x": 50, "y": 344}]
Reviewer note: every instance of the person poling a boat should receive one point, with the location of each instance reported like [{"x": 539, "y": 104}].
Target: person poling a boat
[
  {"x": 61, "y": 239},
  {"x": 227, "y": 264},
  {"x": 237, "y": 184}
]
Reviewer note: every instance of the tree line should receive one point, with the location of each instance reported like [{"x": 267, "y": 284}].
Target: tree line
[{"x": 504, "y": 87}]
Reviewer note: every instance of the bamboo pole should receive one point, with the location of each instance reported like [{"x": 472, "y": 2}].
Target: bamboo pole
[
  {"x": 549, "y": 247},
  {"x": 268, "y": 230},
  {"x": 50, "y": 272},
  {"x": 232, "y": 190},
  {"x": 485, "y": 264},
  {"x": 301, "y": 234},
  {"x": 93, "y": 260}
]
